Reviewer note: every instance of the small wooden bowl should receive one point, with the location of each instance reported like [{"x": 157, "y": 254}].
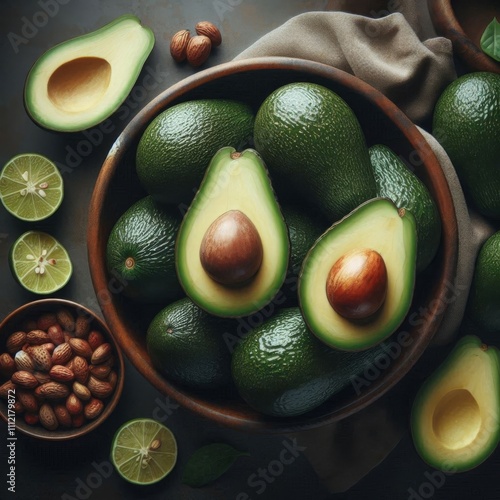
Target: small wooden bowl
[
  {"x": 31, "y": 310},
  {"x": 463, "y": 22},
  {"x": 251, "y": 80}
]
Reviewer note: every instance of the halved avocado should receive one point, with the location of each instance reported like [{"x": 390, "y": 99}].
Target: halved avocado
[
  {"x": 356, "y": 283},
  {"x": 80, "y": 82},
  {"x": 455, "y": 419},
  {"x": 232, "y": 250}
]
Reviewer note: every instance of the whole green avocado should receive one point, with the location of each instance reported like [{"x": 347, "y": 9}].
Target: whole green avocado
[
  {"x": 467, "y": 124},
  {"x": 313, "y": 145}
]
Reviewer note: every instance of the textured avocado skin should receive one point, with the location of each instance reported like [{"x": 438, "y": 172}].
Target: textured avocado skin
[
  {"x": 467, "y": 124},
  {"x": 146, "y": 232},
  {"x": 396, "y": 182},
  {"x": 304, "y": 228},
  {"x": 313, "y": 144},
  {"x": 484, "y": 299},
  {"x": 282, "y": 370},
  {"x": 177, "y": 146},
  {"x": 187, "y": 345}
]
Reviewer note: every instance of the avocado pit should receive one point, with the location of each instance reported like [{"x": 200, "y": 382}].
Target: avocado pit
[
  {"x": 231, "y": 250},
  {"x": 356, "y": 286}
]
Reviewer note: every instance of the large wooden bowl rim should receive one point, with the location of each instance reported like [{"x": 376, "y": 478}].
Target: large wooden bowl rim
[{"x": 241, "y": 418}]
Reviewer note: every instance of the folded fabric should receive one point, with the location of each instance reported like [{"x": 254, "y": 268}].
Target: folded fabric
[{"x": 384, "y": 52}]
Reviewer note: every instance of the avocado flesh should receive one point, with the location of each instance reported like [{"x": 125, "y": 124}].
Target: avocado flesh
[
  {"x": 455, "y": 420},
  {"x": 396, "y": 182},
  {"x": 377, "y": 225},
  {"x": 177, "y": 146},
  {"x": 80, "y": 82},
  {"x": 314, "y": 146},
  {"x": 233, "y": 181}
]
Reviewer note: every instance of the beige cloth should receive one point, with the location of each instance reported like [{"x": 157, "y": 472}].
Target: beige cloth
[
  {"x": 394, "y": 54},
  {"x": 384, "y": 52}
]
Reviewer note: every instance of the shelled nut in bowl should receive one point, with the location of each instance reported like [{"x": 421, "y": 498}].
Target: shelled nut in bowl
[
  {"x": 250, "y": 82},
  {"x": 61, "y": 371}
]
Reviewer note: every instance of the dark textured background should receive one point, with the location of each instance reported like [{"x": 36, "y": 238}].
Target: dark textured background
[{"x": 52, "y": 471}]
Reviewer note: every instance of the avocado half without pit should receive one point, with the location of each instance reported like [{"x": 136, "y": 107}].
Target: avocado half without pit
[
  {"x": 80, "y": 82},
  {"x": 356, "y": 283},
  {"x": 455, "y": 421},
  {"x": 233, "y": 249}
]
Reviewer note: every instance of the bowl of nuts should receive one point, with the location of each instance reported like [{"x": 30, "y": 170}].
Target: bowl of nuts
[{"x": 61, "y": 372}]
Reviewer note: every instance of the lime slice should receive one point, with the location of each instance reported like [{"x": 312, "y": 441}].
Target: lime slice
[
  {"x": 143, "y": 451},
  {"x": 40, "y": 263},
  {"x": 31, "y": 187}
]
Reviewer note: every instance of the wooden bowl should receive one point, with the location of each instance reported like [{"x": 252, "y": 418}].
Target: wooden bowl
[
  {"x": 14, "y": 322},
  {"x": 251, "y": 80},
  {"x": 463, "y": 22}
]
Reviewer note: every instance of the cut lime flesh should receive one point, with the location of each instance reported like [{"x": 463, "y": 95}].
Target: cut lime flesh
[
  {"x": 40, "y": 263},
  {"x": 31, "y": 187},
  {"x": 144, "y": 451}
]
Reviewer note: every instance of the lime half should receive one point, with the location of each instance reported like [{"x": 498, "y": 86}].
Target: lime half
[
  {"x": 143, "y": 451},
  {"x": 31, "y": 187},
  {"x": 40, "y": 263}
]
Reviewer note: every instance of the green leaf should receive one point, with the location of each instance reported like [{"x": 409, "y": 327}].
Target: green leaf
[
  {"x": 209, "y": 463},
  {"x": 490, "y": 40}
]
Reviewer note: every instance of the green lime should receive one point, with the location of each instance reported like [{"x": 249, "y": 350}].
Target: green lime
[
  {"x": 143, "y": 451},
  {"x": 31, "y": 187},
  {"x": 40, "y": 263}
]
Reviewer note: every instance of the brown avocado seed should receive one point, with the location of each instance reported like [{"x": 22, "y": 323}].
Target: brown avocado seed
[
  {"x": 356, "y": 286},
  {"x": 231, "y": 250}
]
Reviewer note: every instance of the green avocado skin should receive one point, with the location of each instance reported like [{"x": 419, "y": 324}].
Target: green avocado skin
[
  {"x": 146, "y": 232},
  {"x": 282, "y": 370},
  {"x": 313, "y": 144},
  {"x": 484, "y": 299},
  {"x": 187, "y": 345},
  {"x": 396, "y": 182},
  {"x": 304, "y": 228},
  {"x": 467, "y": 124},
  {"x": 177, "y": 146}
]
